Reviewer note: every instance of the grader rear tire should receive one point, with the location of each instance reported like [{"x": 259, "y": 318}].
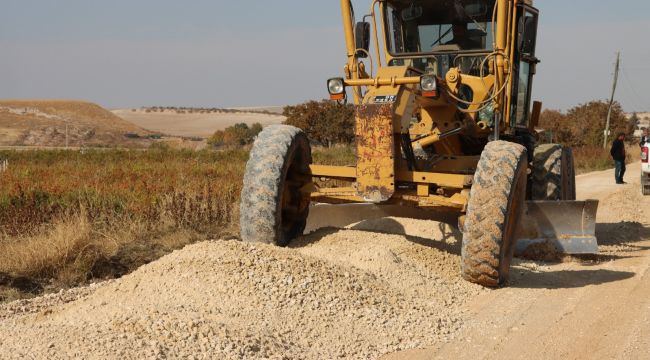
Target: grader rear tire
[
  {"x": 553, "y": 176},
  {"x": 272, "y": 209},
  {"x": 494, "y": 209}
]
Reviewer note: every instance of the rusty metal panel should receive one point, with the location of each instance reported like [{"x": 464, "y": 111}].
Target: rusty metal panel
[{"x": 375, "y": 152}]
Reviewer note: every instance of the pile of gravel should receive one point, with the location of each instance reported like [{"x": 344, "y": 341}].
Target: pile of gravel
[{"x": 335, "y": 294}]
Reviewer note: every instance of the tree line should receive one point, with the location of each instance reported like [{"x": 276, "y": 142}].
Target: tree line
[
  {"x": 325, "y": 122},
  {"x": 328, "y": 123},
  {"x": 584, "y": 125}
]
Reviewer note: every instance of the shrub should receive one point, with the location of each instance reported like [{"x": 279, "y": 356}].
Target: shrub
[
  {"x": 325, "y": 122},
  {"x": 584, "y": 124},
  {"x": 237, "y": 135}
]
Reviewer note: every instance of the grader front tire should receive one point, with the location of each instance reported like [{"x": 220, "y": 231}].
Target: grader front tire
[
  {"x": 494, "y": 209},
  {"x": 272, "y": 209}
]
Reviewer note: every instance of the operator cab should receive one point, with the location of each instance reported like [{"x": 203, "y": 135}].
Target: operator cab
[{"x": 434, "y": 36}]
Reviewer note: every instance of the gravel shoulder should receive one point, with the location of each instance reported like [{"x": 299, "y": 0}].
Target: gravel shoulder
[
  {"x": 382, "y": 286},
  {"x": 582, "y": 308}
]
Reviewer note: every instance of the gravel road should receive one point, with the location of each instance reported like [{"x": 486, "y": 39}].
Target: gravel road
[{"x": 380, "y": 287}]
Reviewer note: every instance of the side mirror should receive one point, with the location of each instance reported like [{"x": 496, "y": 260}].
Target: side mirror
[
  {"x": 528, "y": 39},
  {"x": 412, "y": 13},
  {"x": 362, "y": 38}
]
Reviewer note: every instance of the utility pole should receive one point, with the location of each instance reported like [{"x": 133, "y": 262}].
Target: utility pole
[{"x": 611, "y": 101}]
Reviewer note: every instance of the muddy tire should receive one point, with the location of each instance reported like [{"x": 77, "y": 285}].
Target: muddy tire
[
  {"x": 553, "y": 176},
  {"x": 272, "y": 209},
  {"x": 495, "y": 206}
]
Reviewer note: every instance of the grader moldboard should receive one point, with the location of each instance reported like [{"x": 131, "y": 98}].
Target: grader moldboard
[{"x": 444, "y": 122}]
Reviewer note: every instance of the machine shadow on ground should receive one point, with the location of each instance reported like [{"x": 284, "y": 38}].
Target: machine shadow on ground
[
  {"x": 564, "y": 279},
  {"x": 625, "y": 232},
  {"x": 444, "y": 236}
]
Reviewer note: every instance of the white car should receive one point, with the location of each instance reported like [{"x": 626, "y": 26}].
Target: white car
[{"x": 645, "y": 169}]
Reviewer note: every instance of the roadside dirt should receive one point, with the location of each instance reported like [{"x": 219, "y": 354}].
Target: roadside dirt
[
  {"x": 381, "y": 287},
  {"x": 583, "y": 308}
]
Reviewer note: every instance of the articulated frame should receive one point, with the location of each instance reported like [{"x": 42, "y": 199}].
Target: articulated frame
[{"x": 382, "y": 176}]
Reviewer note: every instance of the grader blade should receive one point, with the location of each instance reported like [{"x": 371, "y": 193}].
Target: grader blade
[
  {"x": 340, "y": 216},
  {"x": 560, "y": 227}
]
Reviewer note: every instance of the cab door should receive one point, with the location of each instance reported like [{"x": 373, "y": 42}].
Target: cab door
[{"x": 524, "y": 64}]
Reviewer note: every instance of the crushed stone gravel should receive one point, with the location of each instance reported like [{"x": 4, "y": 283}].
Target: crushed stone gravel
[
  {"x": 352, "y": 293},
  {"x": 377, "y": 287}
]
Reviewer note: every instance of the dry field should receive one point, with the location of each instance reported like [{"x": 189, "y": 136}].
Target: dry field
[
  {"x": 50, "y": 122},
  {"x": 201, "y": 125},
  {"x": 377, "y": 288},
  {"x": 138, "y": 230},
  {"x": 68, "y": 217}
]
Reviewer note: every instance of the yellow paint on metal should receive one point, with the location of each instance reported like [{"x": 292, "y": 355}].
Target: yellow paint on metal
[
  {"x": 457, "y": 201},
  {"x": 458, "y": 181},
  {"x": 348, "y": 29},
  {"x": 333, "y": 171},
  {"x": 455, "y": 164},
  {"x": 375, "y": 152},
  {"x": 389, "y": 82},
  {"x": 511, "y": 48},
  {"x": 443, "y": 180}
]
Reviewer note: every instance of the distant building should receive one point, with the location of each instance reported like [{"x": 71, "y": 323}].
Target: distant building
[{"x": 644, "y": 121}]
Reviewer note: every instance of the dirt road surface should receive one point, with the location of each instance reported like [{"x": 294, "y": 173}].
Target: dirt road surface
[
  {"x": 384, "y": 288},
  {"x": 581, "y": 309}
]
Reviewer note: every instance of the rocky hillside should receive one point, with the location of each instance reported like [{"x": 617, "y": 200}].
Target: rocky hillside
[{"x": 64, "y": 122}]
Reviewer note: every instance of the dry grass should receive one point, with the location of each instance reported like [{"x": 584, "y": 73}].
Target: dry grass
[
  {"x": 64, "y": 242},
  {"x": 73, "y": 250},
  {"x": 595, "y": 158},
  {"x": 67, "y": 218}
]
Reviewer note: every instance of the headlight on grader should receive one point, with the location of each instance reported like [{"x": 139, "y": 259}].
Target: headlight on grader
[
  {"x": 429, "y": 86},
  {"x": 336, "y": 88}
]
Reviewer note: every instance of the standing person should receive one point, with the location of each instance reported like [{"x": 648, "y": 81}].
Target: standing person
[
  {"x": 645, "y": 138},
  {"x": 618, "y": 154}
]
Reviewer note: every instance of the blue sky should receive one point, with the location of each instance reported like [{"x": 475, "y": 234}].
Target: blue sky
[{"x": 246, "y": 53}]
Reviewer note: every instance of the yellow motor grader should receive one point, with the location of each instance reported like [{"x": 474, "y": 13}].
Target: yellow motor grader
[{"x": 444, "y": 122}]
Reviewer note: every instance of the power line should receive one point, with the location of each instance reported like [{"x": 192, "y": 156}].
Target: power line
[{"x": 630, "y": 85}]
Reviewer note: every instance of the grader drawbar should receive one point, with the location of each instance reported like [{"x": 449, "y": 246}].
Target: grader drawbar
[{"x": 444, "y": 123}]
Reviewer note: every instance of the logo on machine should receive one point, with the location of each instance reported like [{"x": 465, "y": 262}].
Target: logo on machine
[{"x": 386, "y": 99}]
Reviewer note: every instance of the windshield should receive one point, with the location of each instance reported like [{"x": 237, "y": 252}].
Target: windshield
[{"x": 438, "y": 26}]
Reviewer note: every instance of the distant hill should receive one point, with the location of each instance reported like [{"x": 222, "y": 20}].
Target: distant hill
[
  {"x": 55, "y": 122},
  {"x": 197, "y": 122}
]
